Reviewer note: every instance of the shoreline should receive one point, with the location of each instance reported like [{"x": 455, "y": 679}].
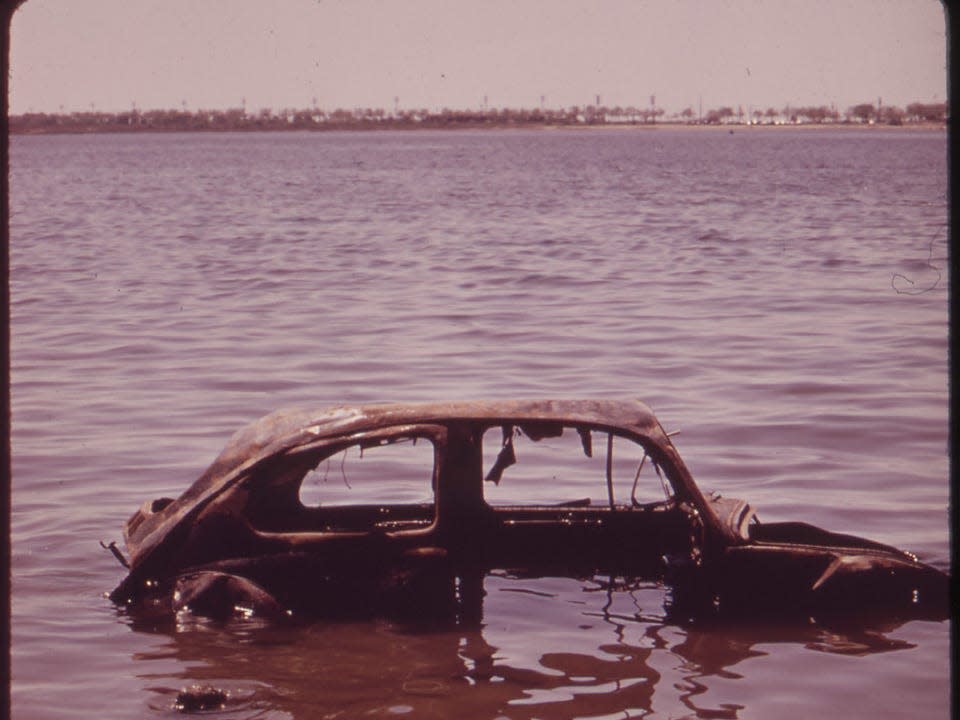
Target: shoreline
[{"x": 730, "y": 128}]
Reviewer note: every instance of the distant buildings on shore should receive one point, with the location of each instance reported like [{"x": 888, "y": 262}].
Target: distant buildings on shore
[{"x": 239, "y": 119}]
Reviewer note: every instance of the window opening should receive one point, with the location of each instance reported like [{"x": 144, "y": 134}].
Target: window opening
[
  {"x": 553, "y": 465},
  {"x": 387, "y": 471}
]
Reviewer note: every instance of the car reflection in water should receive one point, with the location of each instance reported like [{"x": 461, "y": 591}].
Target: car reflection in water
[{"x": 538, "y": 647}]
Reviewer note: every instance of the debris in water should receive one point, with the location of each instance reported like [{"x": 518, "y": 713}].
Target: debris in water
[{"x": 200, "y": 697}]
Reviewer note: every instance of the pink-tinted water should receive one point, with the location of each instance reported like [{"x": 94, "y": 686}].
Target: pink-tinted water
[{"x": 779, "y": 296}]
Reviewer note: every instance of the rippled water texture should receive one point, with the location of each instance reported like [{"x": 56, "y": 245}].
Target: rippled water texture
[{"x": 779, "y": 296}]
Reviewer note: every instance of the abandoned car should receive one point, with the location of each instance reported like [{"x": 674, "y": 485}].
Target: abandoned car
[{"x": 362, "y": 509}]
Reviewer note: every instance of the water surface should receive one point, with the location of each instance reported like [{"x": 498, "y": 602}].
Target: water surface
[{"x": 778, "y": 296}]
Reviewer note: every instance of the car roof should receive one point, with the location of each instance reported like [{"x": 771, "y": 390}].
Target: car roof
[{"x": 287, "y": 428}]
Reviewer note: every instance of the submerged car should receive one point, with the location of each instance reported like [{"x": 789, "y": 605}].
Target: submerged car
[{"x": 379, "y": 507}]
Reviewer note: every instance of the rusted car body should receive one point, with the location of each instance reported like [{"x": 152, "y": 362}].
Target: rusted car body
[{"x": 245, "y": 536}]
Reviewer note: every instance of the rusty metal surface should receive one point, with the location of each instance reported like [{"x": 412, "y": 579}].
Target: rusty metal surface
[
  {"x": 208, "y": 530},
  {"x": 287, "y": 431}
]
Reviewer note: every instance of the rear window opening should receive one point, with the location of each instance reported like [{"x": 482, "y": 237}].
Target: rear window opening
[{"x": 566, "y": 466}]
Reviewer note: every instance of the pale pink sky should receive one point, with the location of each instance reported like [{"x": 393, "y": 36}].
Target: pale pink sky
[{"x": 111, "y": 54}]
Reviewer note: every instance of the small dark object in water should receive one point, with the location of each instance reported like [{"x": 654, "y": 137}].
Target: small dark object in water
[
  {"x": 197, "y": 698},
  {"x": 241, "y": 539}
]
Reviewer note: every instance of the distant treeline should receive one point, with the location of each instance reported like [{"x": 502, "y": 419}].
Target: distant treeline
[{"x": 369, "y": 118}]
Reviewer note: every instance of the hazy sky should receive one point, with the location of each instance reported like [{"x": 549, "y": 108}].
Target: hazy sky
[{"x": 434, "y": 53}]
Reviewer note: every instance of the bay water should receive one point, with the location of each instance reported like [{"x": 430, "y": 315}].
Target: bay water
[{"x": 777, "y": 295}]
